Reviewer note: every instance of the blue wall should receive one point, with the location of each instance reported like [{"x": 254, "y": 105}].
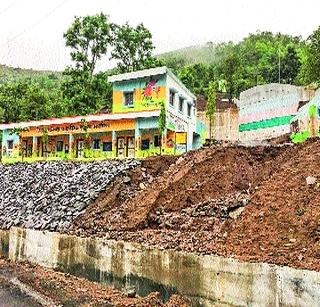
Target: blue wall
[{"x": 7, "y": 137}]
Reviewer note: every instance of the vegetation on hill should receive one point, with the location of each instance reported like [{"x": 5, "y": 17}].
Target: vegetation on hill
[{"x": 230, "y": 68}]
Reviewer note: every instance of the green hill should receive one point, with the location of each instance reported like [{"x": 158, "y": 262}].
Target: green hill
[
  {"x": 9, "y": 73},
  {"x": 207, "y": 53}
]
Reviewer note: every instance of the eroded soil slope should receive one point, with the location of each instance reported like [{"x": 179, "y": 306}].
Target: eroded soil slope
[{"x": 251, "y": 203}]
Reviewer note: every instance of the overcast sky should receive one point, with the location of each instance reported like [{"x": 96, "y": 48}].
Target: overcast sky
[{"x": 31, "y": 31}]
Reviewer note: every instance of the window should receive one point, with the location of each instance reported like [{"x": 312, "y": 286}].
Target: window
[
  {"x": 96, "y": 144},
  {"x": 107, "y": 146},
  {"x": 10, "y": 144},
  {"x": 157, "y": 141},
  {"x": 128, "y": 99},
  {"x": 189, "y": 110},
  {"x": 172, "y": 98},
  {"x": 145, "y": 144},
  {"x": 59, "y": 146},
  {"x": 181, "y": 104}
]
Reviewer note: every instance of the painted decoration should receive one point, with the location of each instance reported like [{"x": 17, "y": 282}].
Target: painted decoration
[
  {"x": 175, "y": 123},
  {"x": 148, "y": 94}
]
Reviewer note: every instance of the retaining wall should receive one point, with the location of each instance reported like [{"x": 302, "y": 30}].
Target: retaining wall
[{"x": 206, "y": 280}]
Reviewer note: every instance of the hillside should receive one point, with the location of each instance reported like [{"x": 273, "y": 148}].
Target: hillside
[
  {"x": 206, "y": 53},
  {"x": 10, "y": 73}
]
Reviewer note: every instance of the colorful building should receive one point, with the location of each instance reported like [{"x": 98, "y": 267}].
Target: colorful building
[{"x": 131, "y": 130}]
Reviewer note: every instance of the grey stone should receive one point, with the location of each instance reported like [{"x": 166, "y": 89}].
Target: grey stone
[{"x": 50, "y": 195}]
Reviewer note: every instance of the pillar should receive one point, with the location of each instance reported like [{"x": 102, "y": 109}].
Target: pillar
[
  {"x": 137, "y": 137},
  {"x": 114, "y": 144},
  {"x": 34, "y": 146},
  {"x": 71, "y": 145}
]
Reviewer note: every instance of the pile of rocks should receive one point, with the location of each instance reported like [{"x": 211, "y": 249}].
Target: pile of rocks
[
  {"x": 50, "y": 195},
  {"x": 201, "y": 216}
]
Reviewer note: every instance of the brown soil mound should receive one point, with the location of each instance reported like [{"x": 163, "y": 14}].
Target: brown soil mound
[
  {"x": 282, "y": 220},
  {"x": 194, "y": 203}
]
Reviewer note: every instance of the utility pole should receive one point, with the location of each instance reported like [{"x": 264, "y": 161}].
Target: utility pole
[{"x": 279, "y": 70}]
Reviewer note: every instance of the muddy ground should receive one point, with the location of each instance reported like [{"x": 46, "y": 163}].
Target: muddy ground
[
  {"x": 66, "y": 290},
  {"x": 250, "y": 203}
]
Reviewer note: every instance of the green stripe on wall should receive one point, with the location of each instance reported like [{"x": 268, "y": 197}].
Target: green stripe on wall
[{"x": 268, "y": 123}]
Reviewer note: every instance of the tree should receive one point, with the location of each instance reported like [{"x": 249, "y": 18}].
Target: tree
[
  {"x": 11, "y": 100},
  {"x": 133, "y": 48},
  {"x": 162, "y": 124},
  {"x": 85, "y": 128},
  {"x": 211, "y": 106},
  {"x": 290, "y": 66},
  {"x": 311, "y": 66},
  {"x": 89, "y": 38}
]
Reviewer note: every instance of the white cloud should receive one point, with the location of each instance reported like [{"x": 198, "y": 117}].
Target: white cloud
[{"x": 174, "y": 24}]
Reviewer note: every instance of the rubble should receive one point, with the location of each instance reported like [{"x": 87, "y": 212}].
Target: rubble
[{"x": 50, "y": 195}]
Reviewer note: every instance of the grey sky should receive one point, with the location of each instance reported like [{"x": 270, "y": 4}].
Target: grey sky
[{"x": 31, "y": 30}]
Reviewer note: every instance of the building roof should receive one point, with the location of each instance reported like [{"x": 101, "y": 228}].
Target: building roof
[
  {"x": 138, "y": 74},
  {"x": 77, "y": 119},
  {"x": 148, "y": 73}
]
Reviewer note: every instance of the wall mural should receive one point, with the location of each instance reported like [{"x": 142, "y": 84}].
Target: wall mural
[
  {"x": 150, "y": 94},
  {"x": 175, "y": 123}
]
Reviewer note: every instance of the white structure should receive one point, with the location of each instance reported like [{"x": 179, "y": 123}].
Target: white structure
[{"x": 265, "y": 111}]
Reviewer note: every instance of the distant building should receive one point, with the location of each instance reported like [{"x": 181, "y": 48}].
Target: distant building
[
  {"x": 307, "y": 119},
  {"x": 225, "y": 125},
  {"x": 131, "y": 130},
  {"x": 266, "y": 111}
]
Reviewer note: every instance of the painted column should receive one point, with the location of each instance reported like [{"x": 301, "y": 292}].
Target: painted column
[
  {"x": 71, "y": 144},
  {"x": 114, "y": 144},
  {"x": 137, "y": 137},
  {"x": 34, "y": 146},
  {"x": 164, "y": 140}
]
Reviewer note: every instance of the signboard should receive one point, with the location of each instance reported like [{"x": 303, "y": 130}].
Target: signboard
[
  {"x": 93, "y": 127},
  {"x": 175, "y": 123},
  {"x": 181, "y": 138}
]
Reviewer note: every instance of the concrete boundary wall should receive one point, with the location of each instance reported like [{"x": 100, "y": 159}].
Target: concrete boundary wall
[{"x": 206, "y": 280}]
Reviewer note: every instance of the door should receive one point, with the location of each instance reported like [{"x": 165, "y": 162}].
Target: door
[
  {"x": 130, "y": 147},
  {"x": 80, "y": 147},
  {"x": 121, "y": 147}
]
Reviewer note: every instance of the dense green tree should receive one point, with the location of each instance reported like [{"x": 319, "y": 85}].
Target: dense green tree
[
  {"x": 26, "y": 100},
  {"x": 133, "y": 47},
  {"x": 310, "y": 72},
  {"x": 290, "y": 66},
  {"x": 89, "y": 39},
  {"x": 12, "y": 95}
]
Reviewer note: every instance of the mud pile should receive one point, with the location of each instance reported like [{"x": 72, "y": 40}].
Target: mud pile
[{"x": 251, "y": 203}]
